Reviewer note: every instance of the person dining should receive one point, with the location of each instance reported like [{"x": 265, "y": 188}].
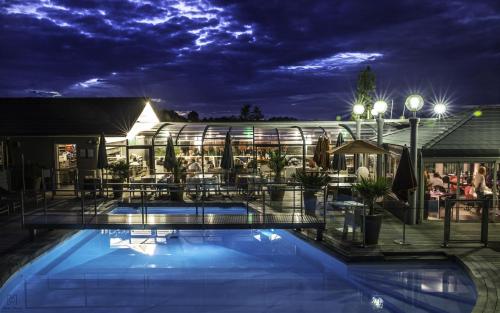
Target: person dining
[
  {"x": 436, "y": 182},
  {"x": 480, "y": 182}
]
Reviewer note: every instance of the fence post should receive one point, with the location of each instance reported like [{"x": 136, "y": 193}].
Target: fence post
[
  {"x": 82, "y": 202},
  {"x": 484, "y": 222},
  {"x": 95, "y": 196},
  {"x": 202, "y": 211},
  {"x": 325, "y": 199},
  {"x": 447, "y": 222},
  {"x": 142, "y": 207},
  {"x": 22, "y": 208},
  {"x": 44, "y": 190},
  {"x": 264, "y": 203}
]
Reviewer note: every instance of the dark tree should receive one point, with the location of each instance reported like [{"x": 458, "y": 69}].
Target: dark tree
[
  {"x": 256, "y": 114},
  {"x": 245, "y": 112},
  {"x": 193, "y": 116},
  {"x": 365, "y": 90}
]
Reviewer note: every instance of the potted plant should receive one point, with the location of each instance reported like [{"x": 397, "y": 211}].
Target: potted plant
[
  {"x": 312, "y": 182},
  {"x": 277, "y": 163},
  {"x": 370, "y": 190},
  {"x": 120, "y": 172}
]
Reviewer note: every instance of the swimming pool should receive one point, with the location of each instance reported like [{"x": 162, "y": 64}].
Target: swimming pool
[
  {"x": 181, "y": 210},
  {"x": 224, "y": 271}
]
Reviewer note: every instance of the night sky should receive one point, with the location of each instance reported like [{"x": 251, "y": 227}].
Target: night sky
[{"x": 294, "y": 58}]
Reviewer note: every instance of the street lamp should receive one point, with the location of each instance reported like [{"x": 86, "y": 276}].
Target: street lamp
[
  {"x": 380, "y": 107},
  {"x": 413, "y": 103},
  {"x": 358, "y": 109}
]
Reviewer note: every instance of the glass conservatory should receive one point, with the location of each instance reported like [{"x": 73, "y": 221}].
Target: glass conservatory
[{"x": 200, "y": 146}]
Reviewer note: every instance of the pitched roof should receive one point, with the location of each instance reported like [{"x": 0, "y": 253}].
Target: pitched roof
[
  {"x": 69, "y": 116},
  {"x": 474, "y": 136},
  {"x": 428, "y": 130}
]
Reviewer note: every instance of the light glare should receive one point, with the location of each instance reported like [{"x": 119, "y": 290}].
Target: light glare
[
  {"x": 358, "y": 109},
  {"x": 414, "y": 103},
  {"x": 440, "y": 108},
  {"x": 380, "y": 106}
]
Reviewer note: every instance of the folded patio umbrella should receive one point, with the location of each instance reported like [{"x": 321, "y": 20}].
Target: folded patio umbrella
[
  {"x": 339, "y": 162},
  {"x": 405, "y": 179},
  {"x": 317, "y": 150},
  {"x": 102, "y": 157},
  {"x": 227, "y": 161},
  {"x": 170, "y": 161}
]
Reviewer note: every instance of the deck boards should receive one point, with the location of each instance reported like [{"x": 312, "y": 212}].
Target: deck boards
[{"x": 158, "y": 221}]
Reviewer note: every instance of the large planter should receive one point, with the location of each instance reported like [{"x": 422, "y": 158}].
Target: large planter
[
  {"x": 310, "y": 200},
  {"x": 177, "y": 194},
  {"x": 277, "y": 192},
  {"x": 373, "y": 223},
  {"x": 117, "y": 189}
]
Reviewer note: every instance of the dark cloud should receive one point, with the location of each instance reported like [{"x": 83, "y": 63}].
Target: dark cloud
[{"x": 295, "y": 58}]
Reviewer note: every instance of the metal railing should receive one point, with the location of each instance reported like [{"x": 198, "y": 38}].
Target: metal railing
[
  {"x": 254, "y": 196},
  {"x": 485, "y": 212}
]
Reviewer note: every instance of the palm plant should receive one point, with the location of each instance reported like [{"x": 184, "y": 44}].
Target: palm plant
[
  {"x": 277, "y": 163},
  {"x": 371, "y": 189},
  {"x": 312, "y": 181}
]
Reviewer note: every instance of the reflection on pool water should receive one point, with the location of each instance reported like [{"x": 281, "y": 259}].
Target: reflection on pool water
[
  {"x": 224, "y": 271},
  {"x": 181, "y": 210}
]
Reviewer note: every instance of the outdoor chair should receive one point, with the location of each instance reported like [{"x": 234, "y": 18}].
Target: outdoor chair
[{"x": 353, "y": 219}]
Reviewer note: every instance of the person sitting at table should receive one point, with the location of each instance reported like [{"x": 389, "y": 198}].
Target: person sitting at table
[
  {"x": 480, "y": 182},
  {"x": 194, "y": 166},
  {"x": 436, "y": 181},
  {"x": 210, "y": 165}
]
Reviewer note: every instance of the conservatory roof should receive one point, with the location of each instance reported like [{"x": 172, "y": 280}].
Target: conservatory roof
[{"x": 265, "y": 133}]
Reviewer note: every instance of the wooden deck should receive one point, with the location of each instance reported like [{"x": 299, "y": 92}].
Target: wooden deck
[{"x": 166, "y": 221}]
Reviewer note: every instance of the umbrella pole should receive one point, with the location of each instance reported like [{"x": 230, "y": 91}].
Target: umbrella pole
[{"x": 403, "y": 241}]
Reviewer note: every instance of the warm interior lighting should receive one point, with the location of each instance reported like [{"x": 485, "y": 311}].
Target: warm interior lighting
[{"x": 146, "y": 121}]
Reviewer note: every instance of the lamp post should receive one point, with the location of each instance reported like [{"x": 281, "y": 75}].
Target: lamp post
[
  {"x": 379, "y": 108},
  {"x": 358, "y": 109},
  {"x": 413, "y": 103}
]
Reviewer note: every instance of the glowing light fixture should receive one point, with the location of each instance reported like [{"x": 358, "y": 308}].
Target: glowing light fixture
[
  {"x": 374, "y": 112},
  {"x": 477, "y": 113},
  {"x": 440, "y": 108},
  {"x": 380, "y": 106},
  {"x": 147, "y": 119},
  {"x": 358, "y": 109},
  {"x": 414, "y": 103}
]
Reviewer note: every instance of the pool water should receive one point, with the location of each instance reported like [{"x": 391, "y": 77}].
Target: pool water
[
  {"x": 224, "y": 271},
  {"x": 181, "y": 210}
]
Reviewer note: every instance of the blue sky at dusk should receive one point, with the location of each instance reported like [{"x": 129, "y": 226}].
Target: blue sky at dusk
[{"x": 294, "y": 58}]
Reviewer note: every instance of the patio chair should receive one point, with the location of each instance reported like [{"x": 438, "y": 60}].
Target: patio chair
[{"x": 353, "y": 219}]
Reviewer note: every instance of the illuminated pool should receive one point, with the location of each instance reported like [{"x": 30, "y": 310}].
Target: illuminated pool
[
  {"x": 181, "y": 210},
  {"x": 224, "y": 271}
]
